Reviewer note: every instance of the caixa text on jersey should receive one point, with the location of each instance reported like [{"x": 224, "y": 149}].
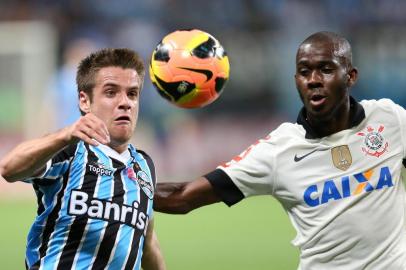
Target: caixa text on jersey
[{"x": 347, "y": 186}]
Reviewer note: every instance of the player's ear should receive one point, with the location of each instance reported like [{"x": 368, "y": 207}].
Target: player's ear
[
  {"x": 84, "y": 102},
  {"x": 352, "y": 76}
]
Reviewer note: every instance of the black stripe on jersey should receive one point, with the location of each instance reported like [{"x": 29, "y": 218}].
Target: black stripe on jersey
[
  {"x": 39, "y": 194},
  {"x": 65, "y": 153},
  {"x": 150, "y": 165},
  {"x": 137, "y": 234},
  {"x": 224, "y": 187},
  {"x": 78, "y": 226},
  {"x": 43, "y": 182},
  {"x": 112, "y": 228}
]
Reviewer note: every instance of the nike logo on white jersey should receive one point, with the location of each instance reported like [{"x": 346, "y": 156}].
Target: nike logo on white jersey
[{"x": 299, "y": 158}]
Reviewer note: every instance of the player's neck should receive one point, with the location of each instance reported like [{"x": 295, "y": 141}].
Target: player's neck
[
  {"x": 335, "y": 123},
  {"x": 119, "y": 148}
]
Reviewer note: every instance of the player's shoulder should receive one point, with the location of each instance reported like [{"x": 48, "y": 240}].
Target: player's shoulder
[
  {"x": 143, "y": 154},
  {"x": 382, "y": 110},
  {"x": 286, "y": 131},
  {"x": 384, "y": 104},
  {"x": 284, "y": 135},
  {"x": 66, "y": 153}
]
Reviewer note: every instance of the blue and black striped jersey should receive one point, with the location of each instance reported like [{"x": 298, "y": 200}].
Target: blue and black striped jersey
[{"x": 94, "y": 206}]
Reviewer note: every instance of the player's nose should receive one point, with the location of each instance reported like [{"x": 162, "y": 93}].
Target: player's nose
[
  {"x": 125, "y": 102},
  {"x": 315, "y": 80}
]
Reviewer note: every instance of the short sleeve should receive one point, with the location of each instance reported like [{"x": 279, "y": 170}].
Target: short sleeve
[
  {"x": 250, "y": 173},
  {"x": 55, "y": 167}
]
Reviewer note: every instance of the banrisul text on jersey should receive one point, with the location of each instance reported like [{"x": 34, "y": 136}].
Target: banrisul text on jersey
[{"x": 81, "y": 203}]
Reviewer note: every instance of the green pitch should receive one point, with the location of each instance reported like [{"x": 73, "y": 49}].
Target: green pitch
[{"x": 255, "y": 234}]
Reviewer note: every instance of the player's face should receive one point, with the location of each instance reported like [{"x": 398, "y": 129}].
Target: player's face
[
  {"x": 322, "y": 80},
  {"x": 116, "y": 101}
]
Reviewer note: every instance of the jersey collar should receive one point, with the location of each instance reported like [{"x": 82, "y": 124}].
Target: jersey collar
[
  {"x": 357, "y": 115},
  {"x": 124, "y": 157}
]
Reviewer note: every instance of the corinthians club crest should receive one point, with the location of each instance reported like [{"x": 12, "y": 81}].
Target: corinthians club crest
[{"x": 374, "y": 142}]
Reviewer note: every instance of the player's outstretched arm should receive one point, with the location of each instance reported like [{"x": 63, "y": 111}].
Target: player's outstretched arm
[
  {"x": 152, "y": 258},
  {"x": 29, "y": 158},
  {"x": 181, "y": 198}
]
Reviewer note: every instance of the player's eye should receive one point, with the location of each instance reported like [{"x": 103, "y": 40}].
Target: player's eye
[
  {"x": 133, "y": 94},
  {"x": 110, "y": 93},
  {"x": 303, "y": 71},
  {"x": 327, "y": 70}
]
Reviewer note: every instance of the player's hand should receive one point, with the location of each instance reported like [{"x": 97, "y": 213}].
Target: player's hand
[{"x": 88, "y": 128}]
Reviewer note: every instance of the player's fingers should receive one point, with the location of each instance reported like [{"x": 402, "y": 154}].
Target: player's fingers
[
  {"x": 86, "y": 138},
  {"x": 94, "y": 133},
  {"x": 100, "y": 134},
  {"x": 84, "y": 130},
  {"x": 98, "y": 125},
  {"x": 95, "y": 128}
]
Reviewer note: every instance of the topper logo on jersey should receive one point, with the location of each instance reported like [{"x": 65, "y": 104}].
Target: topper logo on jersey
[
  {"x": 99, "y": 169},
  {"x": 81, "y": 204},
  {"x": 337, "y": 189}
]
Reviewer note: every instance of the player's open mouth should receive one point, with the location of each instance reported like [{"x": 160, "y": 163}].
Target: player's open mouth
[
  {"x": 317, "y": 100},
  {"x": 123, "y": 119}
]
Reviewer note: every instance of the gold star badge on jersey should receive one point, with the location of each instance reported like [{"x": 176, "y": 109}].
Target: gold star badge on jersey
[{"x": 342, "y": 158}]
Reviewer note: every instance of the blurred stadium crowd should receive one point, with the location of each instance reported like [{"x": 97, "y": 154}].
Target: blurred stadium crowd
[{"x": 261, "y": 38}]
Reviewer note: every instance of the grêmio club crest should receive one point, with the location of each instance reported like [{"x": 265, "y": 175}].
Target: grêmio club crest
[
  {"x": 143, "y": 181},
  {"x": 374, "y": 143}
]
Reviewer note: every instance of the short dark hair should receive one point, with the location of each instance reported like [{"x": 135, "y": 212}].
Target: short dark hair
[
  {"x": 110, "y": 57},
  {"x": 342, "y": 47}
]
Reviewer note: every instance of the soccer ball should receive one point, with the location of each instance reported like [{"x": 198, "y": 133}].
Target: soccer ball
[{"x": 189, "y": 68}]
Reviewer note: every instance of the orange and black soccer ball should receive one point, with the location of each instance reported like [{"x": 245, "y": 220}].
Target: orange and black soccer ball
[{"x": 189, "y": 68}]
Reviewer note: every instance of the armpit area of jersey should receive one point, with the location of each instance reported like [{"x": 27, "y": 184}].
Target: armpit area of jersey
[{"x": 224, "y": 187}]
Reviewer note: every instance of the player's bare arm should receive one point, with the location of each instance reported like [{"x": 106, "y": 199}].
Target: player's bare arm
[
  {"x": 181, "y": 198},
  {"x": 29, "y": 158},
  {"x": 152, "y": 258}
]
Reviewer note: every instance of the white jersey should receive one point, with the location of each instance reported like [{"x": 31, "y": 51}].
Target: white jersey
[{"x": 343, "y": 193}]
